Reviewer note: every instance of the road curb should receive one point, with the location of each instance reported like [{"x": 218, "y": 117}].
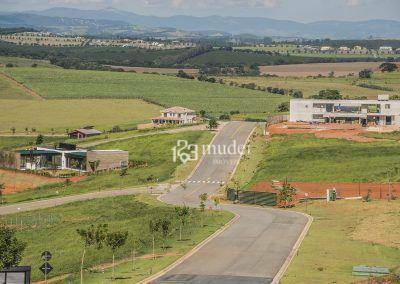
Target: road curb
[
  {"x": 294, "y": 250},
  {"x": 191, "y": 252}
]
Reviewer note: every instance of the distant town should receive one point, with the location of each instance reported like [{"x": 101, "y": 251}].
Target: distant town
[{"x": 50, "y": 39}]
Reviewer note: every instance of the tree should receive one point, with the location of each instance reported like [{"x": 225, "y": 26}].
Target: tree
[
  {"x": 217, "y": 201},
  {"x": 165, "y": 226},
  {"x": 153, "y": 228},
  {"x": 114, "y": 241},
  {"x": 283, "y": 107},
  {"x": 123, "y": 172},
  {"x": 365, "y": 74},
  {"x": 212, "y": 123},
  {"x": 203, "y": 113},
  {"x": 93, "y": 236},
  {"x": 286, "y": 194},
  {"x": 328, "y": 94},
  {"x": 388, "y": 67},
  {"x": 39, "y": 139},
  {"x": 203, "y": 199},
  {"x": 11, "y": 248},
  {"x": 2, "y": 186},
  {"x": 182, "y": 213}
]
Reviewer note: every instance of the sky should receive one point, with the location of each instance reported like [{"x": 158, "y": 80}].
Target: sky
[{"x": 297, "y": 10}]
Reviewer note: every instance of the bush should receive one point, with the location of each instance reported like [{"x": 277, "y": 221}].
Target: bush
[
  {"x": 9, "y": 65},
  {"x": 365, "y": 74}
]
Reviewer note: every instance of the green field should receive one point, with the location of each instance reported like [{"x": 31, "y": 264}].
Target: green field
[
  {"x": 24, "y": 62},
  {"x": 12, "y": 142},
  {"x": 221, "y": 57},
  {"x": 164, "y": 90},
  {"x": 9, "y": 91},
  {"x": 306, "y": 158},
  {"x": 154, "y": 153},
  {"x": 55, "y": 230},
  {"x": 311, "y": 86},
  {"x": 69, "y": 114},
  {"x": 342, "y": 235}
]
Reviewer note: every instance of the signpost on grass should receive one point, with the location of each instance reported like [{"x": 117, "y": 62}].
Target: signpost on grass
[{"x": 46, "y": 267}]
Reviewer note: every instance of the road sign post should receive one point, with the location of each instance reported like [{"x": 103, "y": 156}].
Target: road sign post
[{"x": 46, "y": 267}]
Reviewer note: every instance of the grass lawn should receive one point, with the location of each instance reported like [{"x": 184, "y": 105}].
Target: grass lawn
[
  {"x": 309, "y": 86},
  {"x": 154, "y": 152},
  {"x": 164, "y": 90},
  {"x": 250, "y": 160},
  {"x": 54, "y": 229},
  {"x": 395, "y": 135},
  {"x": 13, "y": 142},
  {"x": 69, "y": 114},
  {"x": 344, "y": 234},
  {"x": 306, "y": 158}
]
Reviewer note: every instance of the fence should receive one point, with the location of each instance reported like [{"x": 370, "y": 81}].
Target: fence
[{"x": 253, "y": 197}]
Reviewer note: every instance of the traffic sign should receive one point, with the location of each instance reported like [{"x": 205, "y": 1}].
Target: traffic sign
[
  {"x": 46, "y": 268},
  {"x": 46, "y": 256}
]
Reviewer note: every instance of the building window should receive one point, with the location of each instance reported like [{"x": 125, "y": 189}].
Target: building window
[
  {"x": 387, "y": 106},
  {"x": 318, "y": 116}
]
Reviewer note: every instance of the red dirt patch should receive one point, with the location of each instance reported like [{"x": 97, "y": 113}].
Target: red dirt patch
[
  {"x": 327, "y": 130},
  {"x": 343, "y": 189},
  {"x": 20, "y": 181}
]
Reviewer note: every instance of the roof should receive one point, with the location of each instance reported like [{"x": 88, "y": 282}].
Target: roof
[
  {"x": 167, "y": 118},
  {"x": 178, "y": 109},
  {"x": 38, "y": 152},
  {"x": 87, "y": 131}
]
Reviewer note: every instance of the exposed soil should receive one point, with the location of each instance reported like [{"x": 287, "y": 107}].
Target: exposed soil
[
  {"x": 304, "y": 70},
  {"x": 350, "y": 132},
  {"x": 343, "y": 189},
  {"x": 20, "y": 181}
]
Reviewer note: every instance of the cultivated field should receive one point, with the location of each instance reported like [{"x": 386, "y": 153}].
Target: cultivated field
[
  {"x": 9, "y": 90},
  {"x": 166, "y": 71},
  {"x": 59, "y": 115},
  {"x": 304, "y": 70},
  {"x": 310, "y": 86},
  {"x": 165, "y": 90},
  {"x": 124, "y": 213}
]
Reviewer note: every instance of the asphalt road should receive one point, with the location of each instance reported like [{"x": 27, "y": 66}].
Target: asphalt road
[
  {"x": 251, "y": 250},
  {"x": 47, "y": 203}
]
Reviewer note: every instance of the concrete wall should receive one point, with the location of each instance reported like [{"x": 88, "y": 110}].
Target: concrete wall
[{"x": 108, "y": 159}]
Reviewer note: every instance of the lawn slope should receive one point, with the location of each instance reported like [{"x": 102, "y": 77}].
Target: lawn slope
[{"x": 54, "y": 230}]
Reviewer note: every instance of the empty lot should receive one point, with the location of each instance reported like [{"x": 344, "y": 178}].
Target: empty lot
[{"x": 303, "y": 70}]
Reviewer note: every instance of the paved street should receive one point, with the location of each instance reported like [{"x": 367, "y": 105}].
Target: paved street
[
  {"x": 255, "y": 247},
  {"x": 47, "y": 203}
]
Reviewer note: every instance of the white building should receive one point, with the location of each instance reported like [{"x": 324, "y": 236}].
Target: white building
[
  {"x": 343, "y": 50},
  {"x": 386, "y": 49},
  {"x": 366, "y": 112},
  {"x": 176, "y": 115}
]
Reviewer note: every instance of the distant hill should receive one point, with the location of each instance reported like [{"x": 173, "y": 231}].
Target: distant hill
[
  {"x": 239, "y": 25},
  {"x": 89, "y": 26}
]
